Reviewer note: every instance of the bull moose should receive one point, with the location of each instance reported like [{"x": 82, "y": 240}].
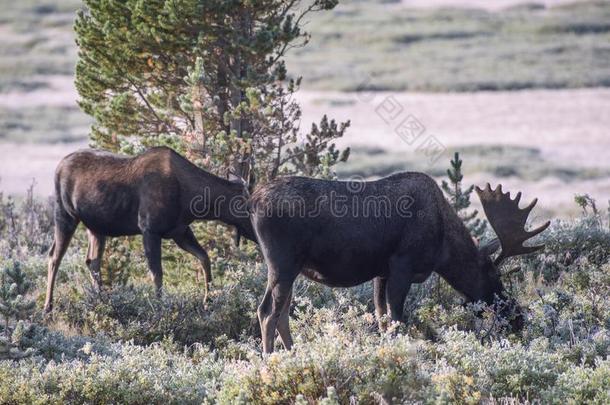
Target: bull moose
[
  {"x": 151, "y": 194},
  {"x": 395, "y": 231}
]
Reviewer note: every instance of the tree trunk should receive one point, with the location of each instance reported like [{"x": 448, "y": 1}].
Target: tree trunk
[
  {"x": 197, "y": 100},
  {"x": 240, "y": 165}
]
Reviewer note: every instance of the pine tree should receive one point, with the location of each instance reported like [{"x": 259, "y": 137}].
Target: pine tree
[
  {"x": 14, "y": 304},
  {"x": 11, "y": 347},
  {"x": 205, "y": 77},
  {"x": 460, "y": 199}
]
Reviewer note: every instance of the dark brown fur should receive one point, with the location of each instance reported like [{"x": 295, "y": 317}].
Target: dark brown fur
[
  {"x": 345, "y": 250},
  {"x": 150, "y": 194}
]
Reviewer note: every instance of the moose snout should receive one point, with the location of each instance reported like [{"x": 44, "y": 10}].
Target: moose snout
[
  {"x": 514, "y": 314},
  {"x": 517, "y": 320}
]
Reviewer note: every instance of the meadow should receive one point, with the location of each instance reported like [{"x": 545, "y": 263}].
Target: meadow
[
  {"x": 524, "y": 46},
  {"x": 386, "y": 46},
  {"x": 399, "y": 49},
  {"x": 125, "y": 345}
]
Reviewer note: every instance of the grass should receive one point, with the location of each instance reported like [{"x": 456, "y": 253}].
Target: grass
[
  {"x": 455, "y": 49},
  {"x": 499, "y": 160},
  {"x": 128, "y": 346},
  {"x": 397, "y": 48},
  {"x": 45, "y": 124},
  {"x": 36, "y": 39}
]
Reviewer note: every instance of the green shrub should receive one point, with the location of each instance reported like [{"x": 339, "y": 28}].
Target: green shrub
[
  {"x": 135, "y": 375},
  {"x": 335, "y": 347},
  {"x": 129, "y": 346},
  {"x": 580, "y": 385},
  {"x": 136, "y": 313}
]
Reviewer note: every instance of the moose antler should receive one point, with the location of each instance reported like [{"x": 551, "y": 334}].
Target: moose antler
[{"x": 508, "y": 221}]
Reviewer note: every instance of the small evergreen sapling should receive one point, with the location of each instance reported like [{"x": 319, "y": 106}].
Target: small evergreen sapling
[
  {"x": 585, "y": 201},
  {"x": 460, "y": 198},
  {"x": 14, "y": 304},
  {"x": 13, "y": 289}
]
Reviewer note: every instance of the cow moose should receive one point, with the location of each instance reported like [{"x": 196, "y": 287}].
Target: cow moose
[
  {"x": 395, "y": 231},
  {"x": 151, "y": 194}
]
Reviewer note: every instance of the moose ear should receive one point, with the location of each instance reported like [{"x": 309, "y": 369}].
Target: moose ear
[
  {"x": 248, "y": 185},
  {"x": 237, "y": 180},
  {"x": 490, "y": 247}
]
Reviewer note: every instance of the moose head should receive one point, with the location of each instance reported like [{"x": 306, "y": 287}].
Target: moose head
[{"x": 508, "y": 221}]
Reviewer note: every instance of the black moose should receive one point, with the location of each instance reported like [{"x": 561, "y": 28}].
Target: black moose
[
  {"x": 156, "y": 194},
  {"x": 395, "y": 231}
]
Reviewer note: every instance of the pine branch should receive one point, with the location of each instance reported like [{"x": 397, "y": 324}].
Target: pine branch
[{"x": 460, "y": 198}]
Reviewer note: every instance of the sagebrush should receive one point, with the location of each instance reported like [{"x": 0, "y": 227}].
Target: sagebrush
[{"x": 126, "y": 345}]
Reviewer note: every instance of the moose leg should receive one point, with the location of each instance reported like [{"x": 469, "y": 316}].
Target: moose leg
[
  {"x": 189, "y": 243},
  {"x": 64, "y": 230},
  {"x": 270, "y": 309},
  {"x": 397, "y": 287},
  {"x": 95, "y": 252},
  {"x": 152, "y": 250},
  {"x": 283, "y": 326},
  {"x": 379, "y": 298}
]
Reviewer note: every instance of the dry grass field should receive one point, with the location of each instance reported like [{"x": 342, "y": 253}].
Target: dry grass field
[{"x": 550, "y": 143}]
